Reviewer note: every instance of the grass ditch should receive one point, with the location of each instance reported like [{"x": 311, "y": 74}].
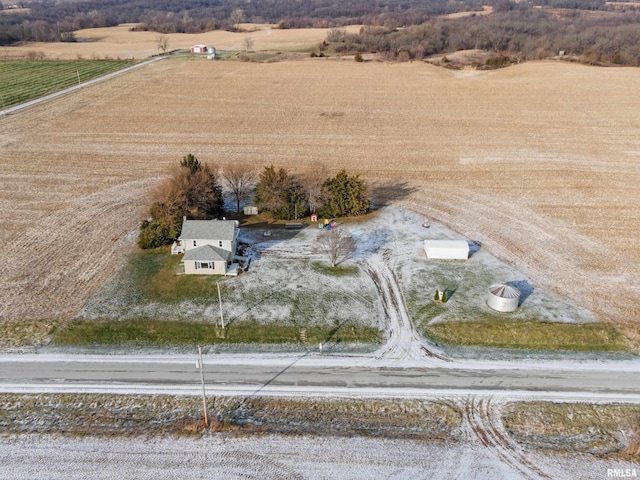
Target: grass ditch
[
  {"x": 156, "y": 333},
  {"x": 27, "y": 333},
  {"x": 102, "y": 415},
  {"x": 529, "y": 334},
  {"x": 337, "y": 271},
  {"x": 603, "y": 430},
  {"x": 609, "y": 430}
]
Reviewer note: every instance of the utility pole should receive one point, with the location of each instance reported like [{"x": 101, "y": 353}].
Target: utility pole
[
  {"x": 220, "y": 302},
  {"x": 78, "y": 72},
  {"x": 204, "y": 398}
]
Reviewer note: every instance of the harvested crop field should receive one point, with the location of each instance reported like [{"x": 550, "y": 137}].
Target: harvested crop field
[
  {"x": 104, "y": 436},
  {"x": 538, "y": 162},
  {"x": 121, "y": 42}
]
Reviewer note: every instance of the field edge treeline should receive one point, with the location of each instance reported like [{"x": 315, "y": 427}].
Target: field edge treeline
[
  {"x": 194, "y": 191},
  {"x": 518, "y": 34}
]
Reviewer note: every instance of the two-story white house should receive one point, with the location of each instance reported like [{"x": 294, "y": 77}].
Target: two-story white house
[{"x": 209, "y": 246}]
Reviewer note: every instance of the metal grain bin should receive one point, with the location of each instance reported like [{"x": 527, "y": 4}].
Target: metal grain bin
[{"x": 503, "y": 298}]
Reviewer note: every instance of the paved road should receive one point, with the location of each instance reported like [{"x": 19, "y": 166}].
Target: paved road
[{"x": 305, "y": 377}]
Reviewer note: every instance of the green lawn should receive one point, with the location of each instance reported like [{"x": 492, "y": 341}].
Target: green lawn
[
  {"x": 149, "y": 332},
  {"x": 153, "y": 273},
  {"x": 529, "y": 334},
  {"x": 24, "y": 80}
]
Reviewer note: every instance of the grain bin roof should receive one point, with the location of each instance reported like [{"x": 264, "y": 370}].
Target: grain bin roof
[{"x": 504, "y": 291}]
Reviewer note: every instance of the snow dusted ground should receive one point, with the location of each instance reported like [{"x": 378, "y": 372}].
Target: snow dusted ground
[
  {"x": 282, "y": 286},
  {"x": 395, "y": 279},
  {"x": 274, "y": 457},
  {"x": 401, "y": 233}
]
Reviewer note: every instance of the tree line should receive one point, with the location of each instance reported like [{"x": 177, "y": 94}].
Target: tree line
[
  {"x": 46, "y": 20},
  {"x": 593, "y": 31},
  {"x": 196, "y": 190},
  {"x": 515, "y": 32}
]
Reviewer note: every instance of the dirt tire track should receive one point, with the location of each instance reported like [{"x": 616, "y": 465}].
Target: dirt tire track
[
  {"x": 404, "y": 342},
  {"x": 483, "y": 418}
]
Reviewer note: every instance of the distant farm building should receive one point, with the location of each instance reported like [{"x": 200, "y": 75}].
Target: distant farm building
[
  {"x": 200, "y": 48},
  {"x": 447, "y": 249},
  {"x": 250, "y": 210},
  {"x": 503, "y": 298}
]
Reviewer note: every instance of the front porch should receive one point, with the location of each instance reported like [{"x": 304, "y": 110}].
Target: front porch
[{"x": 177, "y": 248}]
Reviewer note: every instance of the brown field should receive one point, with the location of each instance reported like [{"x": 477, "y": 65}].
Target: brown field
[
  {"x": 540, "y": 162},
  {"x": 119, "y": 42},
  {"x": 623, "y": 4},
  {"x": 10, "y": 11},
  {"x": 486, "y": 10}
]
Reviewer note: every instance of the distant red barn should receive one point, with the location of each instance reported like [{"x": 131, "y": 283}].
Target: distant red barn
[{"x": 199, "y": 49}]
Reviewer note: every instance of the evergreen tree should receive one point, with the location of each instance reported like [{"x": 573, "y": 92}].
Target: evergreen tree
[
  {"x": 280, "y": 194},
  {"x": 190, "y": 162},
  {"x": 344, "y": 196}
]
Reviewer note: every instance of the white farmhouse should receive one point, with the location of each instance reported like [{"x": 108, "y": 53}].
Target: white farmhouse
[
  {"x": 447, "y": 249},
  {"x": 209, "y": 247}
]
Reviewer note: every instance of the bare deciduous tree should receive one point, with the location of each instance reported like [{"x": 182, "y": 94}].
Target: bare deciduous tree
[
  {"x": 237, "y": 16},
  {"x": 162, "y": 41},
  {"x": 248, "y": 44},
  {"x": 313, "y": 183},
  {"x": 337, "y": 244},
  {"x": 240, "y": 180},
  {"x": 336, "y": 35}
]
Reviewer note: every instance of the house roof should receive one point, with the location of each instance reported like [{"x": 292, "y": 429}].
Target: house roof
[
  {"x": 208, "y": 230},
  {"x": 207, "y": 253}
]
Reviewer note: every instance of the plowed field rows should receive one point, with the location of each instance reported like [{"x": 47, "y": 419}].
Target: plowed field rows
[{"x": 539, "y": 162}]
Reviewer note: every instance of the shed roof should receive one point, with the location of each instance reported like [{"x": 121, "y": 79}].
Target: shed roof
[
  {"x": 455, "y": 244},
  {"x": 207, "y": 253},
  {"x": 208, "y": 230}
]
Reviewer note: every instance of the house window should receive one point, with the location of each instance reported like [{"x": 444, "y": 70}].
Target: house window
[
  {"x": 200, "y": 265},
  {"x": 195, "y": 243}
]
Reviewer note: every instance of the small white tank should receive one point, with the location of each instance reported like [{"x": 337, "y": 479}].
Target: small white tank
[{"x": 503, "y": 298}]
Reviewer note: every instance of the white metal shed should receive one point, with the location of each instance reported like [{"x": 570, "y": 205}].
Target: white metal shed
[{"x": 447, "y": 249}]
